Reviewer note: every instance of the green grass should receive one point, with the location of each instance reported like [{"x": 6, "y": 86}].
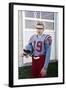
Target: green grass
[
  {"x": 25, "y": 72},
  {"x": 53, "y": 70}
]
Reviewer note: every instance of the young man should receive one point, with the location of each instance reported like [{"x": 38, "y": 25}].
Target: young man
[{"x": 39, "y": 47}]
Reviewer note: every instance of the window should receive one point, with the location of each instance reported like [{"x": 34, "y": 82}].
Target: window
[{"x": 31, "y": 17}]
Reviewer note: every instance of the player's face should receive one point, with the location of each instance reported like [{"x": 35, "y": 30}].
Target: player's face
[{"x": 40, "y": 31}]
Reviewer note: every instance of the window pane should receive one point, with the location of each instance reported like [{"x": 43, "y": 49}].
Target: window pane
[
  {"x": 29, "y": 14},
  {"x": 30, "y": 24},
  {"x": 36, "y": 14},
  {"x": 47, "y": 15},
  {"x": 49, "y": 25}
]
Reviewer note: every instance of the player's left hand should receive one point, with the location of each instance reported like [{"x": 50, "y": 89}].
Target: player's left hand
[{"x": 43, "y": 72}]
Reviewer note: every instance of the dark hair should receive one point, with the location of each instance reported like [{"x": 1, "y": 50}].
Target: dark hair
[{"x": 40, "y": 23}]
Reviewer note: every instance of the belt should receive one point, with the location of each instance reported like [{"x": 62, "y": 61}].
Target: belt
[{"x": 36, "y": 57}]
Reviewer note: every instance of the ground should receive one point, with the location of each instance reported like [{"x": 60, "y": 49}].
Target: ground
[{"x": 25, "y": 72}]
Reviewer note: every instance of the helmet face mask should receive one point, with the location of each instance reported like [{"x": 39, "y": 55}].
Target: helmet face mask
[{"x": 28, "y": 52}]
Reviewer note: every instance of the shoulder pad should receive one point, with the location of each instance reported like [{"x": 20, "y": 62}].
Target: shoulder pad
[
  {"x": 32, "y": 37},
  {"x": 48, "y": 39}
]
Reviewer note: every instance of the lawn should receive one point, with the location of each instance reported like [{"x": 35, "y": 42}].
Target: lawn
[{"x": 25, "y": 71}]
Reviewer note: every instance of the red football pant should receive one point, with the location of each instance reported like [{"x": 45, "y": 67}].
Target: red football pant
[{"x": 37, "y": 65}]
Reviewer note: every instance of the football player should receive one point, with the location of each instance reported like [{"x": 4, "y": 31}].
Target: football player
[{"x": 39, "y": 47}]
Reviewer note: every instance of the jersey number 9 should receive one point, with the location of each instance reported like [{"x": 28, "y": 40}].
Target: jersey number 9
[{"x": 38, "y": 46}]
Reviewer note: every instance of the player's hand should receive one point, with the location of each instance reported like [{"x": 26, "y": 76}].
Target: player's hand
[
  {"x": 43, "y": 72},
  {"x": 22, "y": 54}
]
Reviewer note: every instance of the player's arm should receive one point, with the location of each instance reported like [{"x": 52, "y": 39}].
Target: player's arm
[
  {"x": 28, "y": 48},
  {"x": 48, "y": 42},
  {"x": 48, "y": 51}
]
